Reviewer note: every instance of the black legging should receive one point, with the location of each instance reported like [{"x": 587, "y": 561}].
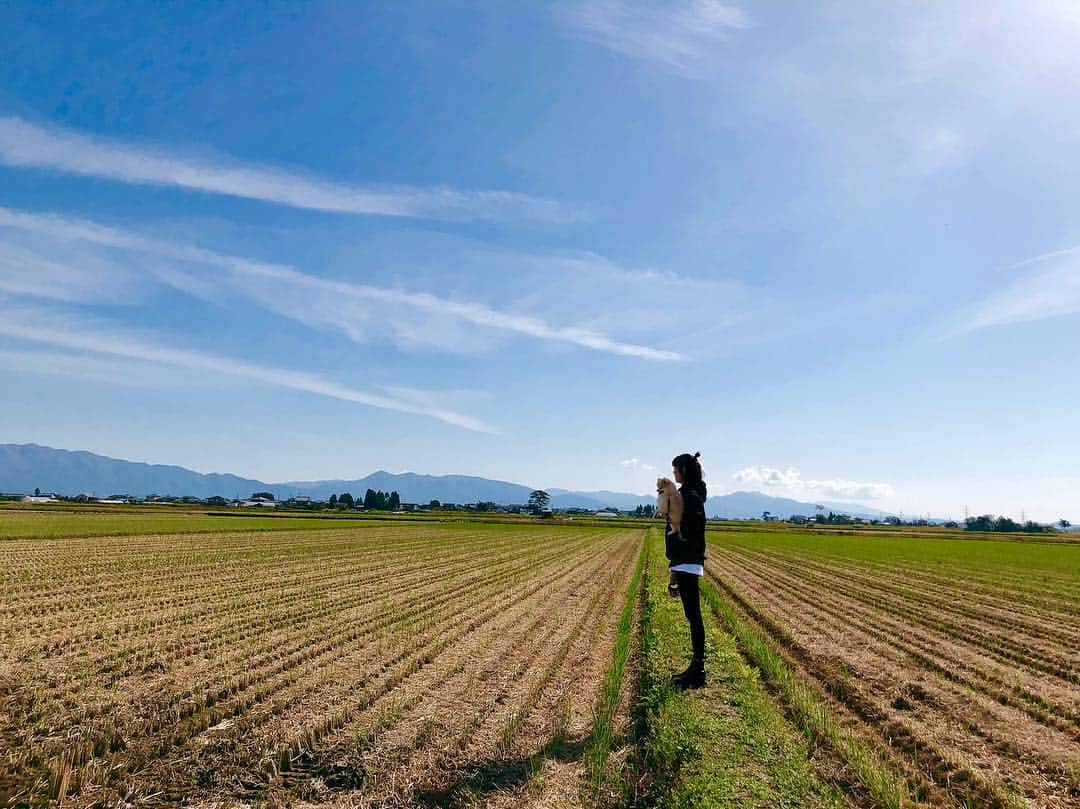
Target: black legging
[{"x": 691, "y": 604}]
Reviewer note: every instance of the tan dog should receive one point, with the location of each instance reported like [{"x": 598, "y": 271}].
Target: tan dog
[
  {"x": 669, "y": 503},
  {"x": 669, "y": 506}
]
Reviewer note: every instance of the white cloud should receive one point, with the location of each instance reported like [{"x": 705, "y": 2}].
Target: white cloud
[
  {"x": 34, "y": 266},
  {"x": 355, "y": 309},
  {"x": 605, "y": 297},
  {"x": 767, "y": 476},
  {"x": 26, "y": 145},
  {"x": 1050, "y": 291},
  {"x": 49, "y": 329},
  {"x": 850, "y": 489},
  {"x": 679, "y": 36},
  {"x": 634, "y": 463},
  {"x": 791, "y": 481}
]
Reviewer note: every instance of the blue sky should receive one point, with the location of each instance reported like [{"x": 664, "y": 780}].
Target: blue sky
[{"x": 835, "y": 247}]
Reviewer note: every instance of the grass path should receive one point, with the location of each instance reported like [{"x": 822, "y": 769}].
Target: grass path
[{"x": 727, "y": 745}]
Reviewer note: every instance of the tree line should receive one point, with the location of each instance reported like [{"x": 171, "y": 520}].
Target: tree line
[
  {"x": 1005, "y": 525},
  {"x": 373, "y": 499}
]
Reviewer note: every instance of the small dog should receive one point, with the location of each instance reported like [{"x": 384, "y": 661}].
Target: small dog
[{"x": 669, "y": 503}]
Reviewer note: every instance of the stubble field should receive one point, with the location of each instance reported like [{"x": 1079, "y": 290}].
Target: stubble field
[
  {"x": 388, "y": 664},
  {"x": 957, "y": 660},
  {"x": 516, "y": 663}
]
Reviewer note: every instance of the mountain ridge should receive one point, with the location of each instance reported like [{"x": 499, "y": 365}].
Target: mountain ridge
[{"x": 24, "y": 467}]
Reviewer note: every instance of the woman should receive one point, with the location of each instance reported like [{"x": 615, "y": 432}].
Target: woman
[{"x": 685, "y": 548}]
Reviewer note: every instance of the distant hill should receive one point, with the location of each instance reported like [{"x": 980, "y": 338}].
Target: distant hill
[
  {"x": 745, "y": 505},
  {"x": 413, "y": 488},
  {"x": 24, "y": 467},
  {"x": 624, "y": 501}
]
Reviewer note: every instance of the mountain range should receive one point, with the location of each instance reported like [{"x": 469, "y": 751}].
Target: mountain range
[{"x": 24, "y": 467}]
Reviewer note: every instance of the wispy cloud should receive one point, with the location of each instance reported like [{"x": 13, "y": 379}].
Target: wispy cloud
[
  {"x": 678, "y": 36},
  {"x": 1051, "y": 289},
  {"x": 634, "y": 463},
  {"x": 27, "y": 145},
  {"x": 63, "y": 274},
  {"x": 107, "y": 370},
  {"x": 48, "y": 329},
  {"x": 342, "y": 305},
  {"x": 791, "y": 481}
]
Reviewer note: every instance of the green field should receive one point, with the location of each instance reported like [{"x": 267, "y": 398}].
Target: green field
[
  {"x": 952, "y": 661},
  {"x": 80, "y": 522}
]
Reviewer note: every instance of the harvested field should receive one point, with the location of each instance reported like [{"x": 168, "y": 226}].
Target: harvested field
[
  {"x": 370, "y": 665},
  {"x": 958, "y": 659},
  {"x": 363, "y": 663}
]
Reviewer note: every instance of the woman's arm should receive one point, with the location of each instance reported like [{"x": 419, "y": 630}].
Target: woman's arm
[{"x": 693, "y": 519}]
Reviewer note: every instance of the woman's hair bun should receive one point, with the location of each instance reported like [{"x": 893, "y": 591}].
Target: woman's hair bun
[{"x": 697, "y": 455}]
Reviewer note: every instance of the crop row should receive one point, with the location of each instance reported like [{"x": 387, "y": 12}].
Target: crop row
[
  {"x": 1010, "y": 672},
  {"x": 254, "y": 647},
  {"x": 167, "y": 724},
  {"x": 508, "y": 706},
  {"x": 966, "y": 725},
  {"x": 282, "y": 684},
  {"x": 996, "y": 604}
]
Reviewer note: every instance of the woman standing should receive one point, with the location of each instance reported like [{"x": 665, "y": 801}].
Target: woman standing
[{"x": 685, "y": 549}]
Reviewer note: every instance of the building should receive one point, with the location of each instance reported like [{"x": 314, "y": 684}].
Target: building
[{"x": 257, "y": 502}]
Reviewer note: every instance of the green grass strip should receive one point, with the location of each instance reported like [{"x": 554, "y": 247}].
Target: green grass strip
[
  {"x": 600, "y": 741},
  {"x": 811, "y": 712},
  {"x": 727, "y": 745}
]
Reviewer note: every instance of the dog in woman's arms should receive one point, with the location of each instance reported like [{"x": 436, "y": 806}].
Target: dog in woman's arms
[{"x": 669, "y": 505}]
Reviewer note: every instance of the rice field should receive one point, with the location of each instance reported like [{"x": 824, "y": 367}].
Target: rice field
[
  {"x": 383, "y": 665},
  {"x": 374, "y": 663},
  {"x": 955, "y": 660}
]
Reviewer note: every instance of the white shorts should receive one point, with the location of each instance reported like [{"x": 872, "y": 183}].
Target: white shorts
[{"x": 697, "y": 570}]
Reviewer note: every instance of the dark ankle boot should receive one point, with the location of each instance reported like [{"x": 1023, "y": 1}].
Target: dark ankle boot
[
  {"x": 682, "y": 675},
  {"x": 693, "y": 677}
]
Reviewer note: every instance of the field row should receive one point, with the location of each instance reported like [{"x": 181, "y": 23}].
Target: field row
[
  {"x": 372, "y": 664},
  {"x": 967, "y": 677}
]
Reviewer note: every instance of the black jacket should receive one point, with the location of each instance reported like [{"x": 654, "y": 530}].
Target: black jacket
[{"x": 688, "y": 545}]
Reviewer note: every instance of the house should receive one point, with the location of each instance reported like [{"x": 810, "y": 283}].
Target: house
[{"x": 257, "y": 502}]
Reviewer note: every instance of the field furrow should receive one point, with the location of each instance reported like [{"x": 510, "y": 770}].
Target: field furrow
[
  {"x": 981, "y": 703},
  {"x": 180, "y": 667}
]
